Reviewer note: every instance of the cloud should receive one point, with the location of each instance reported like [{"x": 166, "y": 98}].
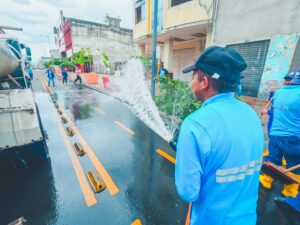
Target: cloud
[
  {"x": 37, "y": 17},
  {"x": 22, "y": 1}
]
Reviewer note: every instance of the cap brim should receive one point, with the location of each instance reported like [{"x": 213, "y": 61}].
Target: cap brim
[
  {"x": 189, "y": 69},
  {"x": 295, "y": 81}
]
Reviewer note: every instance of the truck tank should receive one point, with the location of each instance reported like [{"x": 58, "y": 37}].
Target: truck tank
[{"x": 8, "y": 61}]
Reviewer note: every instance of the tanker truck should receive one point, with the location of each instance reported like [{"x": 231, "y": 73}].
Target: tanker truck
[{"x": 22, "y": 142}]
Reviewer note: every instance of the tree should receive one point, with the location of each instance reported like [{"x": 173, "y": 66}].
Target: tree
[
  {"x": 66, "y": 63},
  {"x": 176, "y": 98},
  {"x": 103, "y": 58},
  {"x": 82, "y": 56}
]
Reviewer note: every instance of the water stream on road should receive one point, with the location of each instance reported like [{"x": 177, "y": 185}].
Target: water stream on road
[{"x": 132, "y": 88}]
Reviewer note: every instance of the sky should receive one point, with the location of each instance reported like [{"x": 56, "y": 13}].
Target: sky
[{"x": 38, "y": 17}]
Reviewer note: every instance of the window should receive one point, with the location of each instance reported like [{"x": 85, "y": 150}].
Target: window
[
  {"x": 140, "y": 11},
  {"x": 178, "y": 2}
]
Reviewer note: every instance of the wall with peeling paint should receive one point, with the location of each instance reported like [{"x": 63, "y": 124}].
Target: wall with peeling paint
[
  {"x": 246, "y": 20},
  {"x": 278, "y": 61}
]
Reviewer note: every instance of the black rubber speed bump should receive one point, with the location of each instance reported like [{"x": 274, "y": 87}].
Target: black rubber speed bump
[
  {"x": 64, "y": 119},
  {"x": 96, "y": 181},
  {"x": 70, "y": 132},
  {"x": 78, "y": 149}
]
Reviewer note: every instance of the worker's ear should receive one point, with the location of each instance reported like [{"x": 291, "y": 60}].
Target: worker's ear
[{"x": 204, "y": 82}]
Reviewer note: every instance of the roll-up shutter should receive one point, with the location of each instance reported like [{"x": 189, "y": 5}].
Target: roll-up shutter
[{"x": 255, "y": 54}]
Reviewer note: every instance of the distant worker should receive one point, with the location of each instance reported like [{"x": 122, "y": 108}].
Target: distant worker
[
  {"x": 78, "y": 78},
  {"x": 30, "y": 72},
  {"x": 162, "y": 71},
  {"x": 65, "y": 75},
  {"x": 28, "y": 81},
  {"x": 268, "y": 109},
  {"x": 51, "y": 76},
  {"x": 220, "y": 145},
  {"x": 239, "y": 89},
  {"x": 284, "y": 139}
]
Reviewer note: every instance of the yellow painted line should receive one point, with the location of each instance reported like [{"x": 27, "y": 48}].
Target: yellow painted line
[
  {"x": 88, "y": 194},
  {"x": 137, "y": 222},
  {"x": 99, "y": 110},
  {"x": 125, "y": 128},
  {"x": 111, "y": 186},
  {"x": 44, "y": 84},
  {"x": 166, "y": 155}
]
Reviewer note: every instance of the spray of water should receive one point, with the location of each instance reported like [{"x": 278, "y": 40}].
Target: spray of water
[{"x": 133, "y": 89}]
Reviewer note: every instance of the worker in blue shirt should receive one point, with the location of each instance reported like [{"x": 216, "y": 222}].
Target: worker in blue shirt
[
  {"x": 268, "y": 109},
  {"x": 51, "y": 76},
  {"x": 64, "y": 76},
  {"x": 284, "y": 140},
  {"x": 162, "y": 71},
  {"x": 30, "y": 72},
  {"x": 220, "y": 145}
]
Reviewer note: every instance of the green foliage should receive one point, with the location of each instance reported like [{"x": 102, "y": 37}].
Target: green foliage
[
  {"x": 82, "y": 56},
  {"x": 103, "y": 57},
  {"x": 146, "y": 62},
  {"x": 176, "y": 98},
  {"x": 52, "y": 62},
  {"x": 48, "y": 64},
  {"x": 66, "y": 63}
]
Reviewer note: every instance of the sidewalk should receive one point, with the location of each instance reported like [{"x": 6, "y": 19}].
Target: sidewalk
[{"x": 91, "y": 80}]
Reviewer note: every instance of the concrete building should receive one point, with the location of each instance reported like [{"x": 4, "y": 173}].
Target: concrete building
[
  {"x": 266, "y": 33},
  {"x": 55, "y": 54},
  {"x": 184, "y": 26},
  {"x": 73, "y": 34}
]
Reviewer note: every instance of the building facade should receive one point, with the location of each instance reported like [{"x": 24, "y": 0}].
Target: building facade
[
  {"x": 265, "y": 33},
  {"x": 71, "y": 35},
  {"x": 183, "y": 29}
]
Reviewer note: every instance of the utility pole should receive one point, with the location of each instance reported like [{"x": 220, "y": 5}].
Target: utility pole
[
  {"x": 154, "y": 27},
  {"x": 47, "y": 36}
]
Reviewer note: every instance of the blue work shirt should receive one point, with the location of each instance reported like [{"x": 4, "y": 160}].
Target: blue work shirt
[
  {"x": 286, "y": 105},
  {"x": 50, "y": 74},
  {"x": 219, "y": 156},
  {"x": 64, "y": 74},
  {"x": 163, "y": 72}
]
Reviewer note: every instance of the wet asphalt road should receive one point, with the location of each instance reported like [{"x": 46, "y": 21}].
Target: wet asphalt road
[{"x": 50, "y": 193}]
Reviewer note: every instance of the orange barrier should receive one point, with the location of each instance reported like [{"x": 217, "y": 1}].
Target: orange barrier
[
  {"x": 57, "y": 71},
  {"x": 91, "y": 78},
  {"x": 105, "y": 82}
]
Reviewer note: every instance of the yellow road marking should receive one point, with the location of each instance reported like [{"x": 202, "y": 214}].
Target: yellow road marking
[
  {"x": 97, "y": 109},
  {"x": 86, "y": 190},
  {"x": 88, "y": 194},
  {"x": 125, "y": 128},
  {"x": 137, "y": 222},
  {"x": 44, "y": 84},
  {"x": 166, "y": 155},
  {"x": 111, "y": 186}
]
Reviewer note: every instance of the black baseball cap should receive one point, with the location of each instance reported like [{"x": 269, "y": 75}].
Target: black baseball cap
[
  {"x": 220, "y": 63},
  {"x": 289, "y": 76}
]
